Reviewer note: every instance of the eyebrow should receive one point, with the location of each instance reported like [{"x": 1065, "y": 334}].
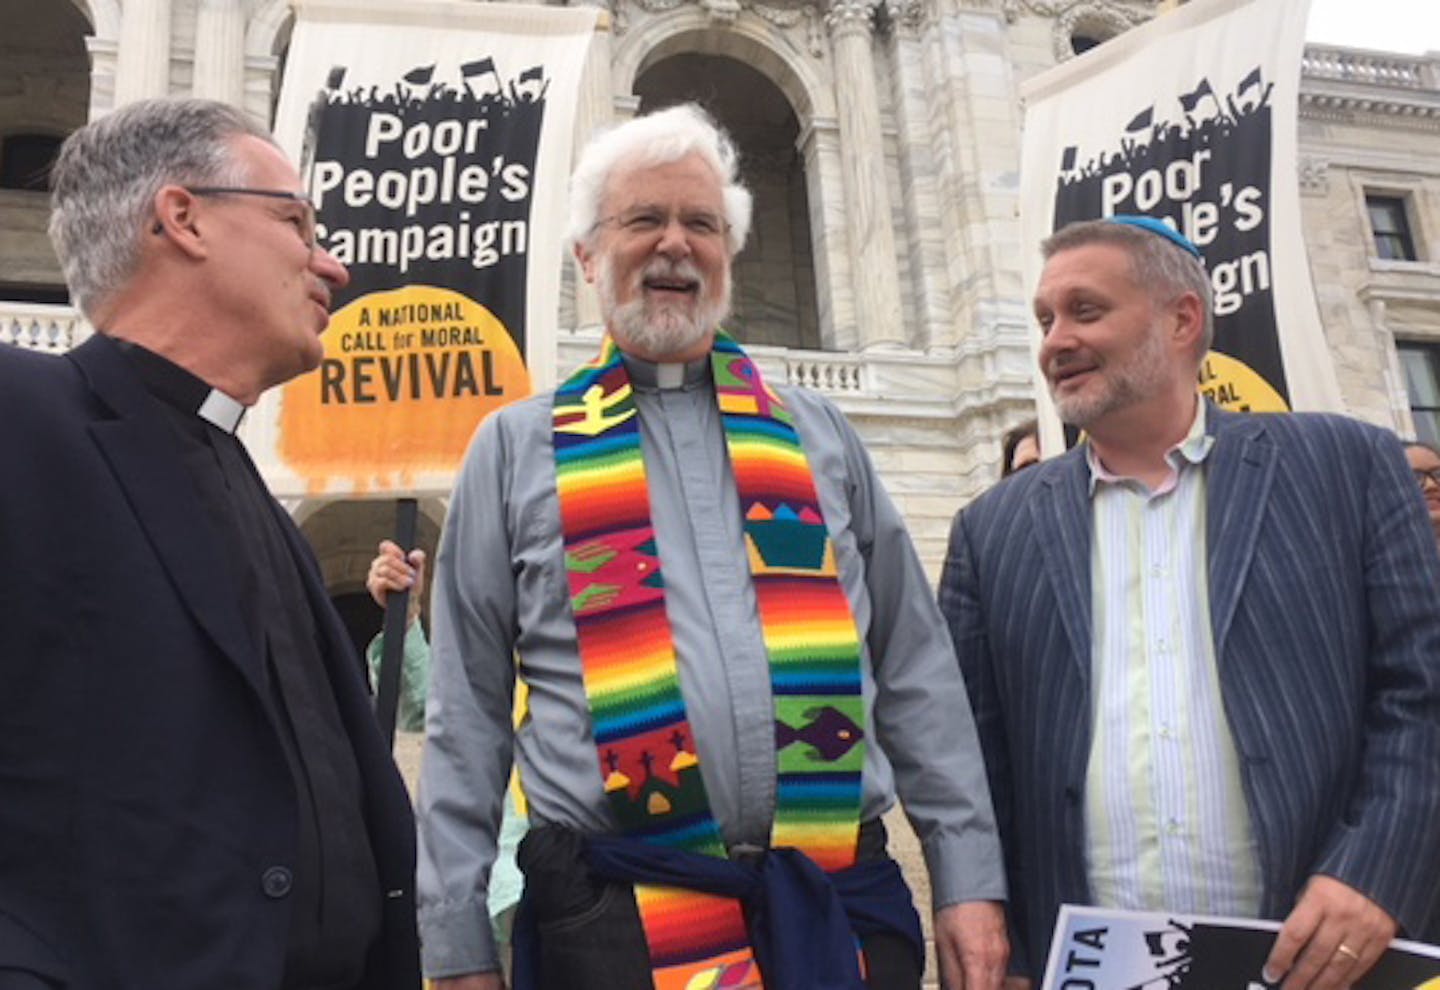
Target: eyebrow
[{"x": 678, "y": 211}]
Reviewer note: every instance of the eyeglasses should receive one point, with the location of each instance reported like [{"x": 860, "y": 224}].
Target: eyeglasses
[
  {"x": 647, "y": 222},
  {"x": 1422, "y": 476},
  {"x": 304, "y": 221}
]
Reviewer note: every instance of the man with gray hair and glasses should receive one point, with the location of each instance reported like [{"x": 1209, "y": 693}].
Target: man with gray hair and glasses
[
  {"x": 193, "y": 789},
  {"x": 733, "y": 658}
]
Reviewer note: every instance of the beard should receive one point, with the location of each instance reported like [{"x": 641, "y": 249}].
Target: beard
[
  {"x": 1125, "y": 381},
  {"x": 662, "y": 328}
]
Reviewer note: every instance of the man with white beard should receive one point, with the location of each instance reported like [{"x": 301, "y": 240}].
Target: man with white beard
[{"x": 734, "y": 663}]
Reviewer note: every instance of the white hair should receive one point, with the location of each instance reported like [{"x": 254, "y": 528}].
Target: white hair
[{"x": 657, "y": 139}]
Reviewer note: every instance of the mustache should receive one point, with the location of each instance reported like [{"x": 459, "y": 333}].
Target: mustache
[{"x": 682, "y": 268}]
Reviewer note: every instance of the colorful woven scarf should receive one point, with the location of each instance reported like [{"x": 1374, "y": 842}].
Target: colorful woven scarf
[{"x": 647, "y": 752}]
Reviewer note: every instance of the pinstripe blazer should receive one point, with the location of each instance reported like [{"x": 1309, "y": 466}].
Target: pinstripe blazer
[{"x": 1325, "y": 606}]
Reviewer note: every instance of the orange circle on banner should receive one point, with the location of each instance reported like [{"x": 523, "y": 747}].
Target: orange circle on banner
[
  {"x": 406, "y": 377},
  {"x": 1232, "y": 384}
]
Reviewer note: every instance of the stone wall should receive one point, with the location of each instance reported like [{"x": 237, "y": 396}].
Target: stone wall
[{"x": 1370, "y": 123}]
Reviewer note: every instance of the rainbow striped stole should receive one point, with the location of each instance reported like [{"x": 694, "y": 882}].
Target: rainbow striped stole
[{"x": 647, "y": 751}]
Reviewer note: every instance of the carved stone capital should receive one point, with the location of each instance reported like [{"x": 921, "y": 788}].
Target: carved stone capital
[
  {"x": 850, "y": 17},
  {"x": 907, "y": 15}
]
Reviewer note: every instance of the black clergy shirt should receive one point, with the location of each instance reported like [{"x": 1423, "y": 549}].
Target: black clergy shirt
[{"x": 334, "y": 890}]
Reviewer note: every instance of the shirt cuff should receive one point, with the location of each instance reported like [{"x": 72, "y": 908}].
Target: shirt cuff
[
  {"x": 457, "y": 940},
  {"x": 964, "y": 866}
]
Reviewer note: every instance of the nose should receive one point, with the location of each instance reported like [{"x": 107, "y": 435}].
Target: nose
[
  {"x": 674, "y": 241},
  {"x": 325, "y": 265},
  {"x": 1056, "y": 340}
]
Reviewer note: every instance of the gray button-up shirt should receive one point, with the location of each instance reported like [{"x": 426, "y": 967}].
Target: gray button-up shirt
[{"x": 501, "y": 596}]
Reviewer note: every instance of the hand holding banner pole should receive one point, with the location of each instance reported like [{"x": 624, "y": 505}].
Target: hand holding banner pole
[{"x": 396, "y": 603}]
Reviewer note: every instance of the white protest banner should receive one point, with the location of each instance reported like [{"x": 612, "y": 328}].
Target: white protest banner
[
  {"x": 1191, "y": 118},
  {"x": 435, "y": 140}
]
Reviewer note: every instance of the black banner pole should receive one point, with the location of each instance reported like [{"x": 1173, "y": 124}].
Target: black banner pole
[{"x": 396, "y": 604}]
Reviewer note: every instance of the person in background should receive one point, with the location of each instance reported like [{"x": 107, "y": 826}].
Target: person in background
[
  {"x": 392, "y": 570},
  {"x": 1020, "y": 448},
  {"x": 1203, "y": 647},
  {"x": 1424, "y": 461}
]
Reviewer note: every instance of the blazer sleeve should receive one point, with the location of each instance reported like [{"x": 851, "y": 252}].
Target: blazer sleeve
[{"x": 1387, "y": 844}]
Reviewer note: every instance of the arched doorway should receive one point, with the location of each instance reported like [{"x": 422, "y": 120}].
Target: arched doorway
[
  {"x": 44, "y": 95},
  {"x": 775, "y": 301}
]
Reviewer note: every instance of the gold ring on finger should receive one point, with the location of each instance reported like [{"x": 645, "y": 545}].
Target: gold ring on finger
[{"x": 1344, "y": 950}]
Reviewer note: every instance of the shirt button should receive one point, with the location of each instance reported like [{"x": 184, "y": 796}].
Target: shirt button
[
  {"x": 276, "y": 882},
  {"x": 1172, "y": 827}
]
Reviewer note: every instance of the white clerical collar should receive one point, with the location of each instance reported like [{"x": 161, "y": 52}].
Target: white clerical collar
[
  {"x": 181, "y": 388},
  {"x": 651, "y": 375},
  {"x": 671, "y": 375},
  {"x": 221, "y": 411}
]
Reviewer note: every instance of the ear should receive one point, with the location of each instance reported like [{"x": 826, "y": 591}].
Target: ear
[
  {"x": 1189, "y": 314},
  {"x": 176, "y": 219},
  {"x": 585, "y": 255}
]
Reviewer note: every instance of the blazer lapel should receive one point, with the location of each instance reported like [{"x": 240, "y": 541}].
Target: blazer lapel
[
  {"x": 1240, "y": 470},
  {"x": 137, "y": 446},
  {"x": 1061, "y": 516}
]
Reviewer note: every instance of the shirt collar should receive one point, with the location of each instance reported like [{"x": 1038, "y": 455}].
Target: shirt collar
[
  {"x": 1191, "y": 450},
  {"x": 648, "y": 376},
  {"x": 168, "y": 381}
]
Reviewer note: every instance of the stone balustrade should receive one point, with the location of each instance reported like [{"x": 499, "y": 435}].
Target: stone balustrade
[
  {"x": 825, "y": 372},
  {"x": 58, "y": 328},
  {"x": 38, "y": 327},
  {"x": 1371, "y": 68},
  {"x": 839, "y": 374}
]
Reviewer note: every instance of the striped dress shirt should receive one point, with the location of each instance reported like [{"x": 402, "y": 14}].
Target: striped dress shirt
[{"x": 1166, "y": 826}]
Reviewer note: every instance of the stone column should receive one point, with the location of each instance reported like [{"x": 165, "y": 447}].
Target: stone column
[
  {"x": 819, "y": 146},
  {"x": 220, "y": 51},
  {"x": 918, "y": 196},
  {"x": 593, "y": 113},
  {"x": 143, "y": 69},
  {"x": 867, "y": 201},
  {"x": 104, "y": 58}
]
